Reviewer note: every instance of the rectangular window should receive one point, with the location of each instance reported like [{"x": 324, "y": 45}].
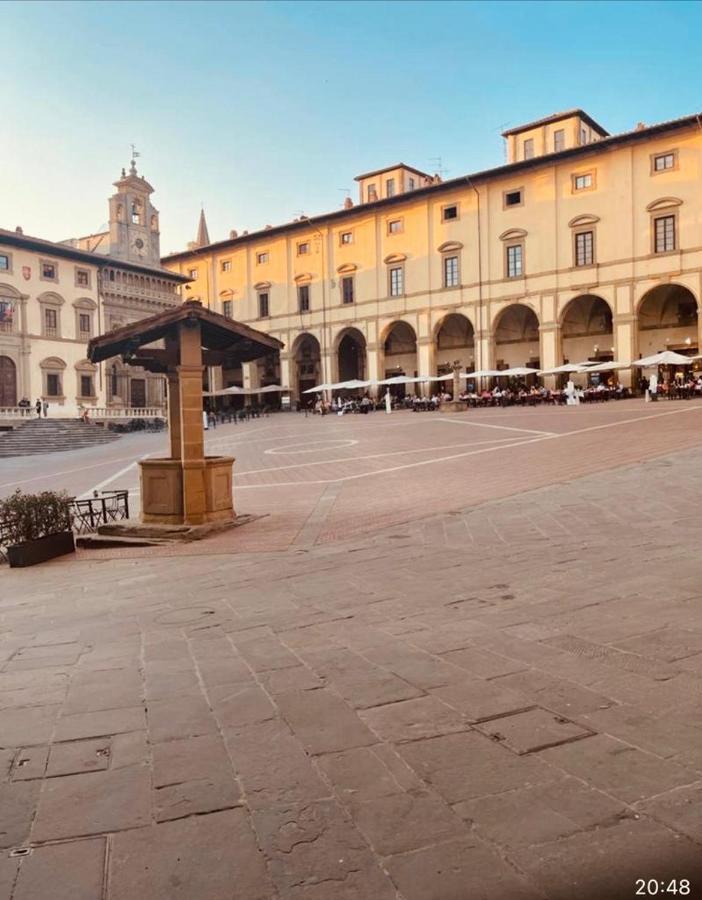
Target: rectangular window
[
  {"x": 82, "y": 278},
  {"x": 410, "y": 184},
  {"x": 450, "y": 271},
  {"x": 512, "y": 198},
  {"x": 397, "y": 286},
  {"x": 395, "y": 226},
  {"x": 86, "y": 386},
  {"x": 584, "y": 248},
  {"x": 4, "y": 262},
  {"x": 372, "y": 193},
  {"x": 303, "y": 249},
  {"x": 53, "y": 384},
  {"x": 262, "y": 258},
  {"x": 663, "y": 161},
  {"x": 529, "y": 148},
  {"x": 664, "y": 234},
  {"x": 50, "y": 322},
  {"x": 346, "y": 237},
  {"x": 84, "y": 324},
  {"x": 303, "y": 298},
  {"x": 226, "y": 265},
  {"x": 558, "y": 140},
  {"x": 192, "y": 273},
  {"x": 514, "y": 261},
  {"x": 390, "y": 187},
  {"x": 583, "y": 136},
  {"x": 347, "y": 289},
  {"x": 48, "y": 271},
  {"x": 227, "y": 309},
  {"x": 582, "y": 182},
  {"x": 449, "y": 212},
  {"x": 263, "y": 306}
]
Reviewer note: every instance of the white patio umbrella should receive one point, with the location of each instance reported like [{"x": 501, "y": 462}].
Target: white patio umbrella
[
  {"x": 403, "y": 379},
  {"x": 350, "y": 385},
  {"x": 607, "y": 366},
  {"x": 664, "y": 358},
  {"x": 319, "y": 387},
  {"x": 519, "y": 370},
  {"x": 481, "y": 373},
  {"x": 565, "y": 369},
  {"x": 224, "y": 392}
]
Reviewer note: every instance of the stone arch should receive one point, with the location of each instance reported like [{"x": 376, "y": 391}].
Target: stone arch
[
  {"x": 350, "y": 354},
  {"x": 51, "y": 297},
  {"x": 587, "y": 330},
  {"x": 516, "y": 339},
  {"x": 52, "y": 362},
  {"x": 307, "y": 367},
  {"x": 667, "y": 319},
  {"x": 399, "y": 342},
  {"x": 454, "y": 338},
  {"x": 7, "y": 290}
]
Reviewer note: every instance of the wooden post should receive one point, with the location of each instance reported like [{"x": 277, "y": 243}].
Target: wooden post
[{"x": 192, "y": 443}]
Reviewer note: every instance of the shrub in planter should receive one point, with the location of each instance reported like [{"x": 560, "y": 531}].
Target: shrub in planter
[{"x": 36, "y": 527}]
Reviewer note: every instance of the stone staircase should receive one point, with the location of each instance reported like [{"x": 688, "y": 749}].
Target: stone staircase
[{"x": 52, "y": 436}]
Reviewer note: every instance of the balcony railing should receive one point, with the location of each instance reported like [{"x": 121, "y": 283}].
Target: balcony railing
[
  {"x": 17, "y": 412},
  {"x": 125, "y": 412}
]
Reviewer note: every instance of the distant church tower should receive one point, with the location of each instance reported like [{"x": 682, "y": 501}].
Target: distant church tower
[
  {"x": 134, "y": 233},
  {"x": 203, "y": 235}
]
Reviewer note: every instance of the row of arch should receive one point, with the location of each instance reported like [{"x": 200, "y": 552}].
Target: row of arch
[{"x": 666, "y": 318}]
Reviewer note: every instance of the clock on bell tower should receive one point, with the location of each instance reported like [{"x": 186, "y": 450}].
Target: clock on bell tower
[{"x": 134, "y": 231}]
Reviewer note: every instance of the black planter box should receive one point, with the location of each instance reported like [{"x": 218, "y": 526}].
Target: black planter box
[{"x": 33, "y": 552}]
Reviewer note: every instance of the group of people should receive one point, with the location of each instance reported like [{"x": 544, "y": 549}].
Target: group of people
[
  {"x": 681, "y": 387},
  {"x": 41, "y": 406}
]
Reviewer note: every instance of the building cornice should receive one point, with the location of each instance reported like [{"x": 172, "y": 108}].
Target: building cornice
[
  {"x": 100, "y": 260},
  {"x": 473, "y": 180}
]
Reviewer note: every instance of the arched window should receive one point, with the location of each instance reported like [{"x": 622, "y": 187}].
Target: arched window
[{"x": 136, "y": 212}]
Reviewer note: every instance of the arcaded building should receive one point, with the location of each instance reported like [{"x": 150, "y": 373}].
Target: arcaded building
[{"x": 584, "y": 245}]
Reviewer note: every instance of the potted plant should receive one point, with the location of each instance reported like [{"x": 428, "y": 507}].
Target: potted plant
[{"x": 36, "y": 527}]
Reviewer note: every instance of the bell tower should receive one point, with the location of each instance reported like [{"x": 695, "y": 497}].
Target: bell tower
[{"x": 134, "y": 230}]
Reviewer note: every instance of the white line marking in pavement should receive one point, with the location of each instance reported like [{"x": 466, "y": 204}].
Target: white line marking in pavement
[
  {"x": 502, "y": 427},
  {"x": 326, "y": 462},
  {"x": 439, "y": 459},
  {"x": 102, "y": 484},
  {"x": 286, "y": 450},
  {"x": 107, "y": 462}
]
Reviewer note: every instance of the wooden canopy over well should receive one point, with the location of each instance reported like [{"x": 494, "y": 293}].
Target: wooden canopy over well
[
  {"x": 231, "y": 342},
  {"x": 187, "y": 487}
]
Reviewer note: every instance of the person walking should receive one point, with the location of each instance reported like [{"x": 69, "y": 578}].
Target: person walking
[
  {"x": 45, "y": 407},
  {"x": 37, "y": 406}
]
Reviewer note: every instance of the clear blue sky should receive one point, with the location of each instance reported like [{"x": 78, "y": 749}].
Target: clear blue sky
[{"x": 265, "y": 110}]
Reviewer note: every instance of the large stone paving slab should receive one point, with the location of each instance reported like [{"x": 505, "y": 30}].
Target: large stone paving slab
[
  {"x": 338, "y": 727},
  {"x": 205, "y": 857}
]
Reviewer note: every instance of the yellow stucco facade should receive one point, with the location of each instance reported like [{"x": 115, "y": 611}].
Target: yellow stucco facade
[{"x": 591, "y": 251}]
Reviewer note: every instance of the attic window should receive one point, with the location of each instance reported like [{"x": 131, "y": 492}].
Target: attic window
[
  {"x": 513, "y": 198},
  {"x": 449, "y": 213}
]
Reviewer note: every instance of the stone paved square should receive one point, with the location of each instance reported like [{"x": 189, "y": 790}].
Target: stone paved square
[{"x": 326, "y": 730}]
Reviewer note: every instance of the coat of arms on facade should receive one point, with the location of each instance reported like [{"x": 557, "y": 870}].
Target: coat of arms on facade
[{"x": 26, "y": 273}]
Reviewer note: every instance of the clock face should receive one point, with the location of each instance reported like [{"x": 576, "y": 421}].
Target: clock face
[{"x": 138, "y": 246}]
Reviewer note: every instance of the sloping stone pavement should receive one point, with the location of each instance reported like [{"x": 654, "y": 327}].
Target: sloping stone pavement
[{"x": 502, "y": 703}]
